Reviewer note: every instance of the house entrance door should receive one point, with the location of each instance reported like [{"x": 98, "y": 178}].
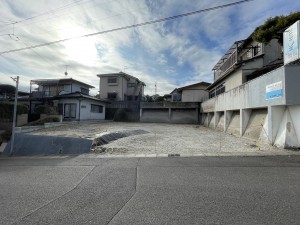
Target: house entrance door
[{"x": 70, "y": 111}]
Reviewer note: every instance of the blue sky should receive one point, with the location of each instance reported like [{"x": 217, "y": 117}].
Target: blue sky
[{"x": 172, "y": 54}]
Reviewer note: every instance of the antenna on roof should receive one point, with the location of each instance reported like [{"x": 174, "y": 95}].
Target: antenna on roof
[{"x": 66, "y": 73}]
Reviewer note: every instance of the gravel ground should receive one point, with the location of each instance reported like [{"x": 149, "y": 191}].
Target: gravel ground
[{"x": 161, "y": 139}]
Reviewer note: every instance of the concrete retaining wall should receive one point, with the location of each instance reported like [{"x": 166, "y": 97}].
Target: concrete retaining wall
[
  {"x": 255, "y": 127},
  {"x": 155, "y": 116},
  {"x": 249, "y": 112},
  {"x": 170, "y": 112},
  {"x": 26, "y": 145},
  {"x": 187, "y": 116},
  {"x": 234, "y": 124}
]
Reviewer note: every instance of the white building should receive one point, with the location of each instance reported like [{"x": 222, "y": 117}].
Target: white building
[{"x": 68, "y": 97}]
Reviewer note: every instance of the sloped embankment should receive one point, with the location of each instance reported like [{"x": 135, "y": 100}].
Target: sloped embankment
[{"x": 107, "y": 137}]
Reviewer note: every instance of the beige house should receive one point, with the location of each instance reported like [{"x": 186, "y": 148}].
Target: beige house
[
  {"x": 191, "y": 93},
  {"x": 240, "y": 61},
  {"x": 120, "y": 87}
]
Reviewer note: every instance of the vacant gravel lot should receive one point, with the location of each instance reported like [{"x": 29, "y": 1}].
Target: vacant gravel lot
[{"x": 162, "y": 139}]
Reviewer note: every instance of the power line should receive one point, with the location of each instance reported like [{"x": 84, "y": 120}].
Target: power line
[
  {"x": 130, "y": 26},
  {"x": 49, "y": 11}
]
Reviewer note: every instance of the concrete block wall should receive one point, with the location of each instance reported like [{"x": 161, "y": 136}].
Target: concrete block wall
[
  {"x": 170, "y": 115},
  {"x": 22, "y": 119}
]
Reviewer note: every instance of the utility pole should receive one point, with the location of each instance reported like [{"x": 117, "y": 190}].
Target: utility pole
[
  {"x": 155, "y": 88},
  {"x": 14, "y": 117}
]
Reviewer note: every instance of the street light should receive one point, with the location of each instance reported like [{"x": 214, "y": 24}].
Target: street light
[{"x": 14, "y": 117}]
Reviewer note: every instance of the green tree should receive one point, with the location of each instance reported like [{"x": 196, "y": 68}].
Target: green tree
[{"x": 274, "y": 27}]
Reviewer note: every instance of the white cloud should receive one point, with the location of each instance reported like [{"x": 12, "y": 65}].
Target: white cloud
[{"x": 179, "y": 52}]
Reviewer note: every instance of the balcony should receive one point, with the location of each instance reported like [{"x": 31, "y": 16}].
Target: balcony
[
  {"x": 236, "y": 56},
  {"x": 43, "y": 94}
]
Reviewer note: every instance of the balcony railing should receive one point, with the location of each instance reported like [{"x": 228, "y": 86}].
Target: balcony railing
[
  {"x": 43, "y": 94},
  {"x": 235, "y": 58}
]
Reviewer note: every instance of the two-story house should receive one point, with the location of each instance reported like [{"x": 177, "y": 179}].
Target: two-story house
[
  {"x": 124, "y": 93},
  {"x": 239, "y": 63},
  {"x": 120, "y": 87},
  {"x": 191, "y": 93},
  {"x": 68, "y": 97}
]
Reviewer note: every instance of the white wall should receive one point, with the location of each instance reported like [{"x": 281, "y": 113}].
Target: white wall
[
  {"x": 86, "y": 114},
  {"x": 249, "y": 95},
  {"x": 194, "y": 95},
  {"x": 235, "y": 79}
]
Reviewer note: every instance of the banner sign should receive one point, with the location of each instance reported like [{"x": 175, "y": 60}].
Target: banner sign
[
  {"x": 274, "y": 90},
  {"x": 291, "y": 43}
]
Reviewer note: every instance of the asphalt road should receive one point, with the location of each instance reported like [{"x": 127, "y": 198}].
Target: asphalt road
[{"x": 198, "y": 190}]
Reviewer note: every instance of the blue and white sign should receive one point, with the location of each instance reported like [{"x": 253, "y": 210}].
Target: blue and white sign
[
  {"x": 274, "y": 90},
  {"x": 291, "y": 43}
]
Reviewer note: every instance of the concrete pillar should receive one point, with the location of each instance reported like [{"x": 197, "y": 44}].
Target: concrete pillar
[
  {"x": 170, "y": 114},
  {"x": 275, "y": 115},
  {"x": 197, "y": 116},
  {"x": 227, "y": 117},
  {"x": 245, "y": 115},
  {"x": 141, "y": 113},
  {"x": 209, "y": 118},
  {"x": 217, "y": 119},
  {"x": 204, "y": 119}
]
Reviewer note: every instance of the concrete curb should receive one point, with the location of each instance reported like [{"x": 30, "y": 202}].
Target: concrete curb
[{"x": 220, "y": 154}]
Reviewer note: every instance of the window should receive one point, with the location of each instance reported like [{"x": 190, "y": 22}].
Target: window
[
  {"x": 129, "y": 98},
  {"x": 220, "y": 89},
  {"x": 256, "y": 50},
  {"x": 131, "y": 85},
  {"x": 96, "y": 108},
  {"x": 112, "y": 96},
  {"x": 112, "y": 80},
  {"x": 212, "y": 93},
  {"x": 84, "y": 91},
  {"x": 249, "y": 55}
]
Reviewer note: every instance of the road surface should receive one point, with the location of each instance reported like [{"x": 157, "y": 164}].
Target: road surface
[{"x": 195, "y": 190}]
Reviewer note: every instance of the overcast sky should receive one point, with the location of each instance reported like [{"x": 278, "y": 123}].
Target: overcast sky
[{"x": 172, "y": 54}]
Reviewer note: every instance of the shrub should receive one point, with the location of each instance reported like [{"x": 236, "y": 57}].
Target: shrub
[
  {"x": 5, "y": 136},
  {"x": 7, "y": 110},
  {"x": 43, "y": 121},
  {"x": 45, "y": 109},
  {"x": 274, "y": 27}
]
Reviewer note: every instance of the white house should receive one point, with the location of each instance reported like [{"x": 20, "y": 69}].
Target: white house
[{"x": 68, "y": 97}]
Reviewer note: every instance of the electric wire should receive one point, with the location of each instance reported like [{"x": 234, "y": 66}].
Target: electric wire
[
  {"x": 130, "y": 26},
  {"x": 74, "y": 3}
]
